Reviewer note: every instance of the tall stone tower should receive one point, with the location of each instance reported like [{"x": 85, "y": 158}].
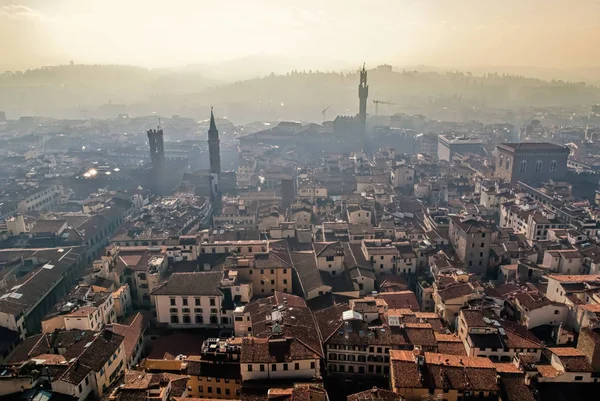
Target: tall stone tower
[
  {"x": 157, "y": 180},
  {"x": 363, "y": 94},
  {"x": 157, "y": 149},
  {"x": 214, "y": 152}
]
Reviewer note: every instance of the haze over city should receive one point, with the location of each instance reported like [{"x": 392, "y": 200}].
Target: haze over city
[{"x": 334, "y": 34}]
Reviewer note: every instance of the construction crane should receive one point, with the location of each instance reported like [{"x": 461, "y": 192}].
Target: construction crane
[
  {"x": 378, "y": 102},
  {"x": 324, "y": 112}
]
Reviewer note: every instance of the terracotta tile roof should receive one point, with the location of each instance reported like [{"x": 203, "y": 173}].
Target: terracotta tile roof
[
  {"x": 261, "y": 350},
  {"x": 450, "y": 344},
  {"x": 575, "y": 278},
  {"x": 375, "y": 394},
  {"x": 507, "y": 367},
  {"x": 405, "y": 374},
  {"x": 457, "y": 361},
  {"x": 518, "y": 336},
  {"x": 513, "y": 387},
  {"x": 22, "y": 351},
  {"x": 576, "y": 364},
  {"x": 197, "y": 283},
  {"x": 565, "y": 351},
  {"x": 456, "y": 291},
  {"x": 475, "y": 318},
  {"x": 93, "y": 357},
  {"x": 595, "y": 308},
  {"x": 330, "y": 319},
  {"x": 547, "y": 371},
  {"x": 402, "y": 355},
  {"x": 450, "y": 338},
  {"x": 532, "y": 300},
  {"x": 462, "y": 379},
  {"x": 400, "y": 299},
  {"x": 131, "y": 332},
  {"x": 296, "y": 319}
]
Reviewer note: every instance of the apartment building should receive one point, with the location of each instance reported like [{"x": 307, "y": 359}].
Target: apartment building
[
  {"x": 133, "y": 332},
  {"x": 40, "y": 198},
  {"x": 266, "y": 264},
  {"x": 471, "y": 240},
  {"x": 564, "y": 261},
  {"x": 29, "y": 298},
  {"x": 278, "y": 358},
  {"x": 216, "y": 373},
  {"x": 200, "y": 299},
  {"x": 82, "y": 309},
  {"x": 498, "y": 340},
  {"x": 416, "y": 376},
  {"x": 268, "y": 322},
  {"x": 141, "y": 268},
  {"x": 150, "y": 386},
  {"x": 80, "y": 364},
  {"x": 358, "y": 338},
  {"x": 451, "y": 298}
]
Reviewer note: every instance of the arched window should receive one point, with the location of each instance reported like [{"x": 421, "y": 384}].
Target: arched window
[
  {"x": 538, "y": 166},
  {"x": 523, "y": 168},
  {"x": 500, "y": 160},
  {"x": 553, "y": 166},
  {"x": 508, "y": 163}
]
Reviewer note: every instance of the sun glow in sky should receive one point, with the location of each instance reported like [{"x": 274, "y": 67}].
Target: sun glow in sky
[{"x": 152, "y": 33}]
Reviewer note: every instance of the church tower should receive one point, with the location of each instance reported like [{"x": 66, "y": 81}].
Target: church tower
[
  {"x": 214, "y": 153},
  {"x": 363, "y": 94},
  {"x": 214, "y": 146}
]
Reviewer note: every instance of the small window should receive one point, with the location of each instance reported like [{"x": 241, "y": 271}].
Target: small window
[
  {"x": 578, "y": 378},
  {"x": 250, "y": 368},
  {"x": 262, "y": 368},
  {"x": 274, "y": 367}
]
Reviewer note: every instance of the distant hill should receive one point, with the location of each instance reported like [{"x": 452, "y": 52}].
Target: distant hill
[{"x": 62, "y": 91}]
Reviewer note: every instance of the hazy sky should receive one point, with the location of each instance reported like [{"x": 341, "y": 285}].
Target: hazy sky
[{"x": 547, "y": 33}]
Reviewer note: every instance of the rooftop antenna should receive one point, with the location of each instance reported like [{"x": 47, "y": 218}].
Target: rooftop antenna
[{"x": 159, "y": 123}]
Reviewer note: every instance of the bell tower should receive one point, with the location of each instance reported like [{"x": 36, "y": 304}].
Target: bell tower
[
  {"x": 214, "y": 153},
  {"x": 363, "y": 94}
]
